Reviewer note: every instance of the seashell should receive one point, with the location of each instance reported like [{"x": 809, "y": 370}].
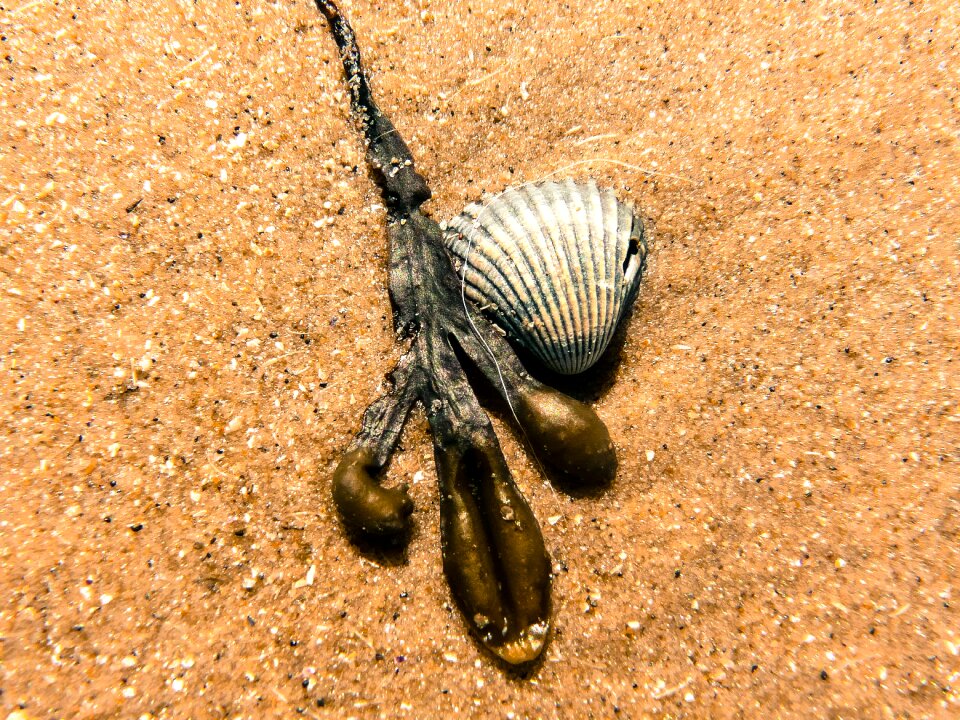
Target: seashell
[{"x": 556, "y": 264}]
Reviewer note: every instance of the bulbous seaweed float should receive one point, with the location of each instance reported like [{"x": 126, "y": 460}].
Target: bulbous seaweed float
[{"x": 493, "y": 552}]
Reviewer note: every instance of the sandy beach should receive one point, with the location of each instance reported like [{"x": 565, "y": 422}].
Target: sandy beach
[{"x": 194, "y": 315}]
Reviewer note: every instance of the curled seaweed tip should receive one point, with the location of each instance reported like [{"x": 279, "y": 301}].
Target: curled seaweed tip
[{"x": 368, "y": 508}]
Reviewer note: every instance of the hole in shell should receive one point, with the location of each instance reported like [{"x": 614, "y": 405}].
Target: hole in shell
[{"x": 632, "y": 251}]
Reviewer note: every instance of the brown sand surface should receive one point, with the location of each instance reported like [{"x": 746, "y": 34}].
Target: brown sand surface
[{"x": 193, "y": 315}]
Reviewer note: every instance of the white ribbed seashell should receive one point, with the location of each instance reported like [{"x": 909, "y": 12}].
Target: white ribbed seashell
[{"x": 557, "y": 264}]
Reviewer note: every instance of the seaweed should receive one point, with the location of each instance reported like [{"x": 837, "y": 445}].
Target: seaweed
[{"x": 493, "y": 550}]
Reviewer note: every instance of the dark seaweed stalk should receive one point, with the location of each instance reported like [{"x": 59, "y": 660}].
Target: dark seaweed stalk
[{"x": 493, "y": 551}]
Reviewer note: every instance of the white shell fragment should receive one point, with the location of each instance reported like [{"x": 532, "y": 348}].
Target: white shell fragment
[{"x": 556, "y": 264}]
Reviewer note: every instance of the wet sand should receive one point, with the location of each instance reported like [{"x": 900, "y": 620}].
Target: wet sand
[{"x": 194, "y": 316}]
